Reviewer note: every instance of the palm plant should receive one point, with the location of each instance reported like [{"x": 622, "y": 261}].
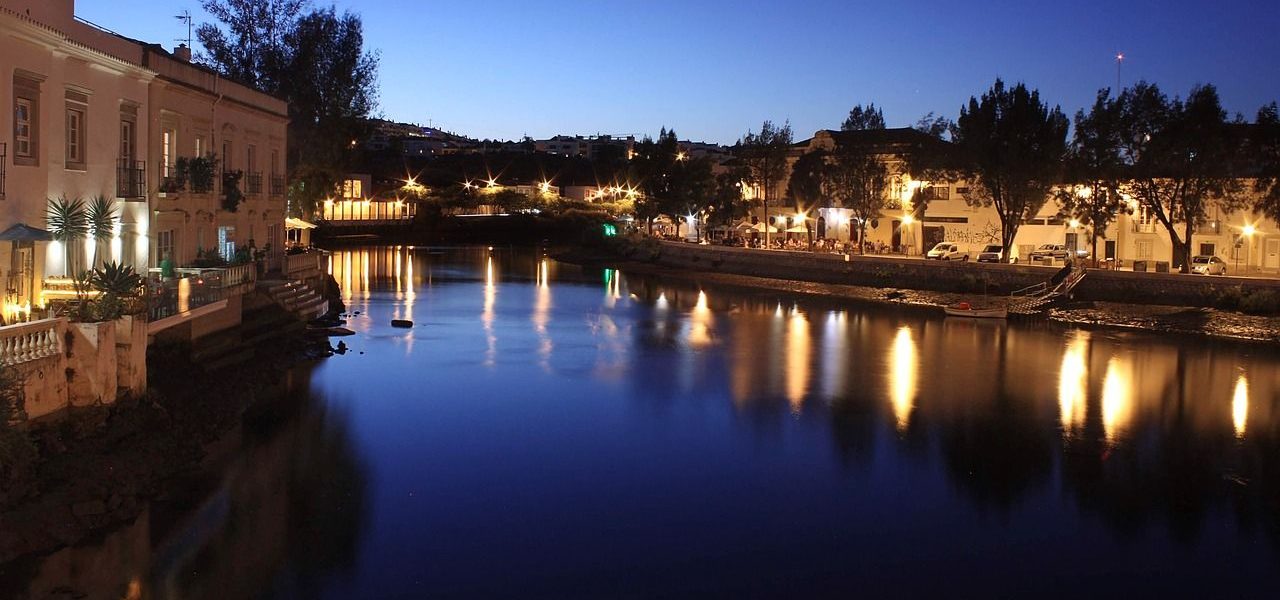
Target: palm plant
[
  {"x": 68, "y": 224},
  {"x": 101, "y": 217},
  {"x": 116, "y": 279}
]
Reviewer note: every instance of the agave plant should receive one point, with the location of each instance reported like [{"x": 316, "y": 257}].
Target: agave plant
[
  {"x": 68, "y": 224},
  {"x": 115, "y": 279},
  {"x": 101, "y": 217}
]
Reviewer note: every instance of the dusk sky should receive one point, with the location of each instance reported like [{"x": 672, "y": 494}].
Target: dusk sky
[{"x": 714, "y": 69}]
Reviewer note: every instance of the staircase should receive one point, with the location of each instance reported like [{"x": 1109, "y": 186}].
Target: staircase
[
  {"x": 1035, "y": 300},
  {"x": 298, "y": 298}
]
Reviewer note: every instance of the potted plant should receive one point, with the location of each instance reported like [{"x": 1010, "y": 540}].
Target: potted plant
[
  {"x": 231, "y": 194},
  {"x": 200, "y": 170}
]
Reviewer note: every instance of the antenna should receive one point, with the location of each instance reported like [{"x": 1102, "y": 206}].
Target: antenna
[
  {"x": 185, "y": 17},
  {"x": 1119, "y": 63}
]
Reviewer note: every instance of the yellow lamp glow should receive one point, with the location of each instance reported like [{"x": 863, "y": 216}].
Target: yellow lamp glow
[
  {"x": 908, "y": 219},
  {"x": 1249, "y": 230}
]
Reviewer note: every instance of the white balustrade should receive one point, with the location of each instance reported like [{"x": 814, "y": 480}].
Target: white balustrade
[{"x": 27, "y": 342}]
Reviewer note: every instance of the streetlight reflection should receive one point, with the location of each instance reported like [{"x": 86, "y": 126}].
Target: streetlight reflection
[
  {"x": 797, "y": 359},
  {"x": 1240, "y": 405},
  {"x": 1117, "y": 398},
  {"x": 902, "y": 363},
  {"x": 1073, "y": 382},
  {"x": 486, "y": 317}
]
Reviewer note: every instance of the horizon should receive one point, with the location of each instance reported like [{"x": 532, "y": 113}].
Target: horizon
[{"x": 703, "y": 82}]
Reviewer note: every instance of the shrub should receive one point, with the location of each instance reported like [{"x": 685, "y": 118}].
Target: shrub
[{"x": 1260, "y": 302}]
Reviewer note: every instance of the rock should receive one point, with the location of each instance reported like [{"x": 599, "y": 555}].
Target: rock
[
  {"x": 342, "y": 348},
  {"x": 338, "y": 332},
  {"x": 895, "y": 295},
  {"x": 89, "y": 508},
  {"x": 401, "y": 323}
]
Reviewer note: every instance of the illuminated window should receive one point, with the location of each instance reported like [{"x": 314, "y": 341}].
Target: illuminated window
[
  {"x": 351, "y": 189},
  {"x": 166, "y": 151}
]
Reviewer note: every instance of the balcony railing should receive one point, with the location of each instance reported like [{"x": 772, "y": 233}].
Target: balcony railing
[
  {"x": 253, "y": 183},
  {"x": 3, "y": 159},
  {"x": 170, "y": 182},
  {"x": 194, "y": 288},
  {"x": 1140, "y": 227},
  {"x": 131, "y": 179},
  {"x": 32, "y": 341},
  {"x": 277, "y": 186},
  {"x": 300, "y": 266}
]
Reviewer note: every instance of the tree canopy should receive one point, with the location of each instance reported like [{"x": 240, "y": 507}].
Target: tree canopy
[
  {"x": 315, "y": 60},
  {"x": 764, "y": 155},
  {"x": 1013, "y": 144},
  {"x": 863, "y": 117},
  {"x": 1094, "y": 168},
  {"x": 1179, "y": 157}
]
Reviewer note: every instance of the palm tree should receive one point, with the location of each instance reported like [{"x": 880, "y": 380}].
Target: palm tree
[
  {"x": 68, "y": 224},
  {"x": 101, "y": 217}
]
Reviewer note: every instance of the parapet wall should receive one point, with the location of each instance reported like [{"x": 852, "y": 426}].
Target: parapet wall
[{"x": 913, "y": 273}]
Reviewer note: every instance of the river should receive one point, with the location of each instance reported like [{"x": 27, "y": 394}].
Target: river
[{"x": 546, "y": 430}]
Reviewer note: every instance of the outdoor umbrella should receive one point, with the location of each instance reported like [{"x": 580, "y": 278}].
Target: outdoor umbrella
[
  {"x": 25, "y": 233},
  {"x": 797, "y": 229}
]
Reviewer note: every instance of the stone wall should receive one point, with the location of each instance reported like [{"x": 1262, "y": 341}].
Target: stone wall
[
  {"x": 88, "y": 364},
  {"x": 890, "y": 272}
]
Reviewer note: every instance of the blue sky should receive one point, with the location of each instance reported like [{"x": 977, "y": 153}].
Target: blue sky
[{"x": 713, "y": 69}]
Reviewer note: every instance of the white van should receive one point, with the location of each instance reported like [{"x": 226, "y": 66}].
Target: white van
[{"x": 948, "y": 251}]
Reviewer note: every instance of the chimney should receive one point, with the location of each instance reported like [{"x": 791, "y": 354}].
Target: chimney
[{"x": 182, "y": 53}]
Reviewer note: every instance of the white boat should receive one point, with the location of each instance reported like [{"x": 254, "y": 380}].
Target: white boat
[{"x": 964, "y": 310}]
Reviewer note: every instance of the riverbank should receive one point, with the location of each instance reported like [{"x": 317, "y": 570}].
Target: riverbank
[
  {"x": 1158, "y": 318},
  {"x": 99, "y": 466}
]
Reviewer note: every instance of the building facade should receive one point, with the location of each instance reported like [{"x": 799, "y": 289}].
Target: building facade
[{"x": 93, "y": 114}]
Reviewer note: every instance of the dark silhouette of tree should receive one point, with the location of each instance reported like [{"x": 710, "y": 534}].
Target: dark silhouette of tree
[
  {"x": 1013, "y": 144},
  {"x": 860, "y": 180},
  {"x": 1093, "y": 170},
  {"x": 727, "y": 204},
  {"x": 1265, "y": 149},
  {"x": 863, "y": 117},
  {"x": 932, "y": 158},
  {"x": 1179, "y": 157},
  {"x": 809, "y": 175},
  {"x": 313, "y": 59},
  {"x": 765, "y": 156}
]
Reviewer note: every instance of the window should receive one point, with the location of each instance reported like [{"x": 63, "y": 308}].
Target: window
[
  {"x": 1143, "y": 249},
  {"x": 351, "y": 189},
  {"x": 199, "y": 145},
  {"x": 75, "y": 137},
  {"x": 275, "y": 162},
  {"x": 227, "y": 243},
  {"x": 164, "y": 245},
  {"x": 1208, "y": 249},
  {"x": 251, "y": 158},
  {"x": 24, "y": 112},
  {"x": 226, "y": 156},
  {"x": 167, "y": 140},
  {"x": 126, "y": 139}
]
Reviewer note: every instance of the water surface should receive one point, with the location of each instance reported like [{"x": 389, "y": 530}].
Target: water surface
[{"x": 548, "y": 430}]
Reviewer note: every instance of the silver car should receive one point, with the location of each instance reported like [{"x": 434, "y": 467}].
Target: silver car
[{"x": 1208, "y": 265}]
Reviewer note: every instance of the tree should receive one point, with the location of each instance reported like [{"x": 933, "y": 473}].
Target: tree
[
  {"x": 765, "y": 156},
  {"x": 860, "y": 180},
  {"x": 313, "y": 59},
  {"x": 808, "y": 181},
  {"x": 931, "y": 158},
  {"x": 101, "y": 218},
  {"x": 1093, "y": 170},
  {"x": 68, "y": 224},
  {"x": 863, "y": 117},
  {"x": 1013, "y": 146},
  {"x": 727, "y": 204},
  {"x": 672, "y": 183},
  {"x": 1179, "y": 156},
  {"x": 1265, "y": 148}
]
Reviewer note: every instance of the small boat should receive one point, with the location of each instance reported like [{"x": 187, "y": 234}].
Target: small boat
[{"x": 965, "y": 310}]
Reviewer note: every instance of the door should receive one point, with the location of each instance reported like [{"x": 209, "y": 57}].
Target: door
[{"x": 1271, "y": 260}]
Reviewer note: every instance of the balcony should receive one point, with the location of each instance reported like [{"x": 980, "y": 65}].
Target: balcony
[
  {"x": 1140, "y": 227},
  {"x": 253, "y": 184},
  {"x": 277, "y": 186},
  {"x": 131, "y": 179},
  {"x": 170, "y": 181}
]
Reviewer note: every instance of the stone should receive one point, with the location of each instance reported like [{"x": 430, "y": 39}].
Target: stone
[{"x": 401, "y": 323}]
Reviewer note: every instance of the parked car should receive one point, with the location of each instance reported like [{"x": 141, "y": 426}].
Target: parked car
[
  {"x": 1049, "y": 252},
  {"x": 947, "y": 251},
  {"x": 993, "y": 253},
  {"x": 1208, "y": 265}
]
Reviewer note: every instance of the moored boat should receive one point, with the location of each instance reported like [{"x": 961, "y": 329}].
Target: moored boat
[{"x": 965, "y": 310}]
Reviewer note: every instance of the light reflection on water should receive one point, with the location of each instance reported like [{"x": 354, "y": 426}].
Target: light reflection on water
[{"x": 590, "y": 432}]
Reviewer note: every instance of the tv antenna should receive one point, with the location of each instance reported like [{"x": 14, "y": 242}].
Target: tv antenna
[{"x": 185, "y": 17}]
